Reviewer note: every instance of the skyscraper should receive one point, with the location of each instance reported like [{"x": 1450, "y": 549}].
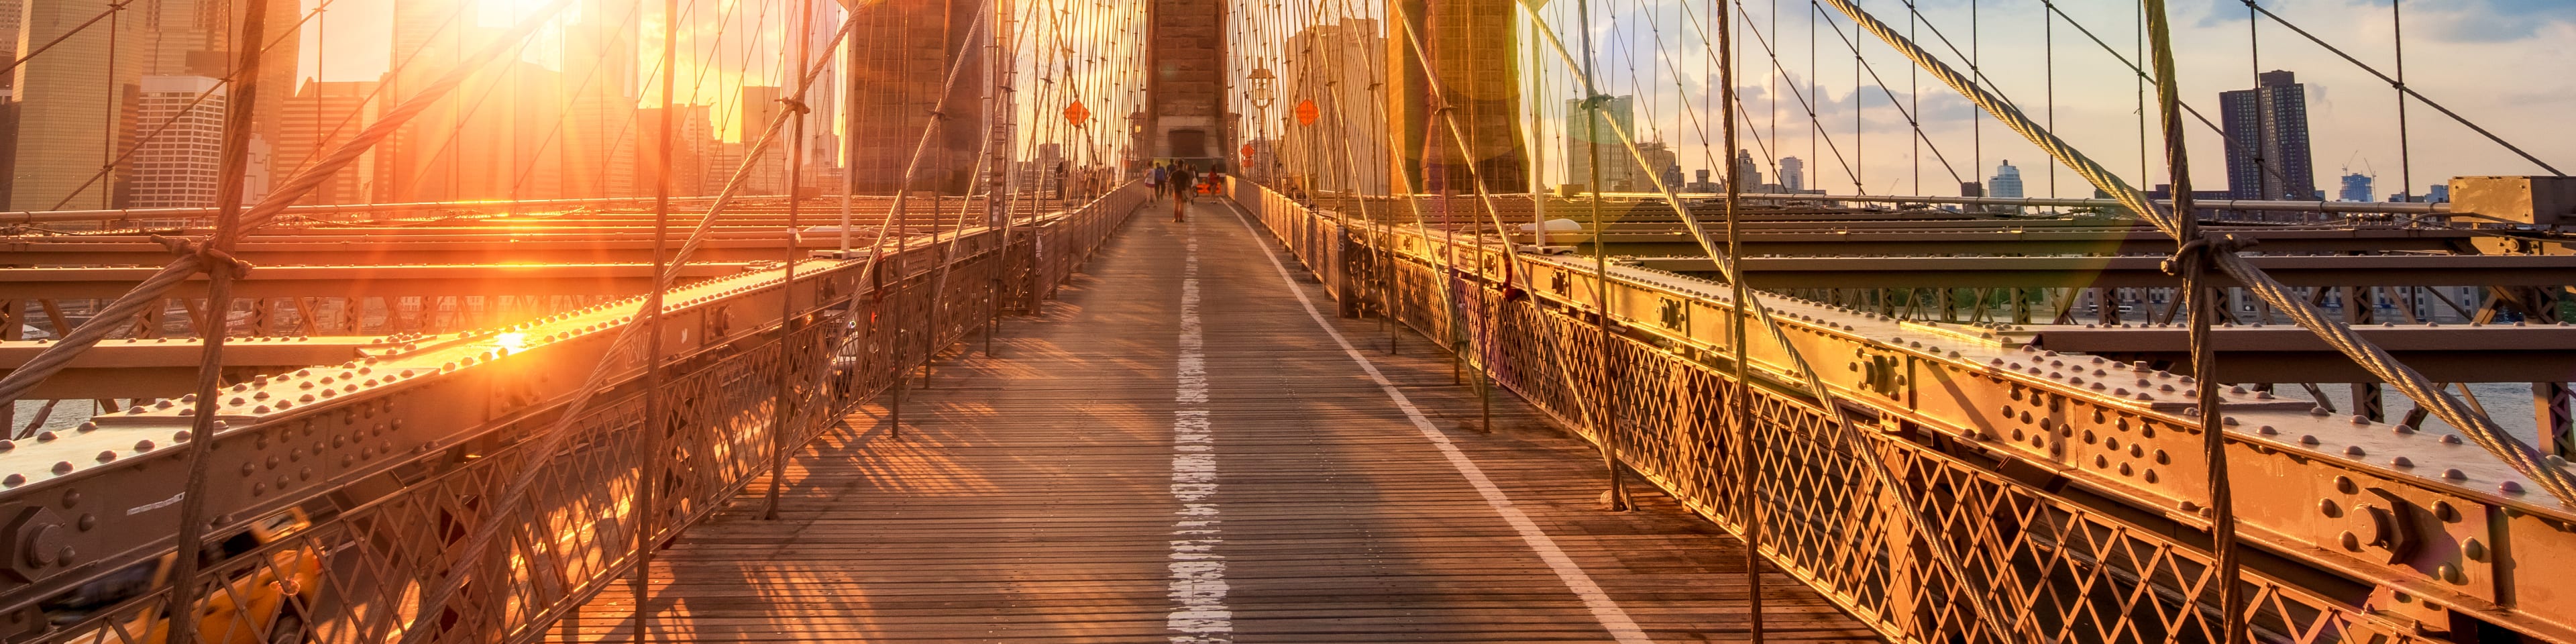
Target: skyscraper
[
  {"x": 321, "y": 116},
  {"x": 759, "y": 107},
  {"x": 2356, "y": 187},
  {"x": 1751, "y": 171},
  {"x": 1590, "y": 131},
  {"x": 2267, "y": 134},
  {"x": 600, "y": 126},
  {"x": 75, "y": 106},
  {"x": 904, "y": 59},
  {"x": 1339, "y": 67},
  {"x": 177, "y": 168},
  {"x": 1793, "y": 174},
  {"x": 2006, "y": 182}
]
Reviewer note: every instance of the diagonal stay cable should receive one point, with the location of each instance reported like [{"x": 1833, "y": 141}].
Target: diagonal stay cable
[
  {"x": 200, "y": 98},
  {"x": 552, "y": 438},
  {"x": 151, "y": 289},
  {"x": 1988, "y": 613},
  {"x": 2370, "y": 357},
  {"x": 2410, "y": 91}
]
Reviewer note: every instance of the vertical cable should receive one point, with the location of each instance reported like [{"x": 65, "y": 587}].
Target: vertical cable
[
  {"x": 232, "y": 164},
  {"x": 1609, "y": 419},
  {"x": 649, "y": 464},
  {"x": 849, "y": 75},
  {"x": 2254, "y": 70},
  {"x": 2405, "y": 147},
  {"x": 1740, "y": 412},
  {"x": 784, "y": 410},
  {"x": 2048, "y": 41},
  {"x": 2196, "y": 256}
]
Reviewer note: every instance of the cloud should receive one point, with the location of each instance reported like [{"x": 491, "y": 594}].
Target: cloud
[{"x": 2449, "y": 21}]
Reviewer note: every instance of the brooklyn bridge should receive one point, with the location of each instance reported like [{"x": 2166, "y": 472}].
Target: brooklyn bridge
[{"x": 1246, "y": 320}]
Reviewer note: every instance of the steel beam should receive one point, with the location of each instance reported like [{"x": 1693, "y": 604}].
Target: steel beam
[
  {"x": 2546, "y": 271},
  {"x": 367, "y": 280}
]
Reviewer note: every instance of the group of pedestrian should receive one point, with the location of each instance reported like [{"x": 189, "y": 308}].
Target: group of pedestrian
[{"x": 1181, "y": 182}]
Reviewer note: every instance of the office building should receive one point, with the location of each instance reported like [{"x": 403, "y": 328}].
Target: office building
[
  {"x": 1750, "y": 171},
  {"x": 1589, "y": 133},
  {"x": 903, "y": 68},
  {"x": 1661, "y": 161},
  {"x": 600, "y": 127},
  {"x": 2356, "y": 187},
  {"x": 1341, "y": 69},
  {"x": 428, "y": 38},
  {"x": 322, "y": 116},
  {"x": 1793, "y": 174},
  {"x": 178, "y": 168},
  {"x": 2267, "y": 133},
  {"x": 2006, "y": 183},
  {"x": 75, "y": 106},
  {"x": 759, "y": 107}
]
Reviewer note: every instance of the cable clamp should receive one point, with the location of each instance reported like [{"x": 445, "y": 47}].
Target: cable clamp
[
  {"x": 208, "y": 258},
  {"x": 796, "y": 106},
  {"x": 2204, "y": 251}
]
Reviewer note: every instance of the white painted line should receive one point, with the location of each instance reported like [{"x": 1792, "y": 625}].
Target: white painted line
[
  {"x": 1612, "y": 618},
  {"x": 1199, "y": 614}
]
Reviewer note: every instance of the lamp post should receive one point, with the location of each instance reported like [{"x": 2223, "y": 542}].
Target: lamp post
[
  {"x": 1260, "y": 92},
  {"x": 1139, "y": 153}
]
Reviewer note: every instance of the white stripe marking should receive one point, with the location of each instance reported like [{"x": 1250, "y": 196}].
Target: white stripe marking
[
  {"x": 1612, "y": 618},
  {"x": 1198, "y": 588}
]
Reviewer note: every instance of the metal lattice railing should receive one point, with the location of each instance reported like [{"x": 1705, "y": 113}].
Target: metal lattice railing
[
  {"x": 350, "y": 565},
  {"x": 2062, "y": 565}
]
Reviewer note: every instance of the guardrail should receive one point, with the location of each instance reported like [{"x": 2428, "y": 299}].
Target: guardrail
[
  {"x": 341, "y": 494},
  {"x": 2069, "y": 487}
]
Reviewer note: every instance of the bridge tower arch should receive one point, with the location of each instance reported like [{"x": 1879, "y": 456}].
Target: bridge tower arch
[{"x": 1184, "y": 117}]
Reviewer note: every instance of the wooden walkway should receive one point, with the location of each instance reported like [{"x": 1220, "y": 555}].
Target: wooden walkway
[{"x": 1177, "y": 451}]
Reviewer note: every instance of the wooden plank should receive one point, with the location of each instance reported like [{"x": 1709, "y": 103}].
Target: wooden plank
[{"x": 1029, "y": 496}]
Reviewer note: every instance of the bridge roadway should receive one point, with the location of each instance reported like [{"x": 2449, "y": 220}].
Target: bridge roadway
[{"x": 1087, "y": 483}]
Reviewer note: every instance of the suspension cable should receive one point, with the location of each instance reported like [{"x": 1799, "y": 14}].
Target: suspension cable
[
  {"x": 1988, "y": 614},
  {"x": 2478, "y": 427}
]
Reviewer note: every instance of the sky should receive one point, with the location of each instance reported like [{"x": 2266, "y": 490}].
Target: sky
[{"x": 2508, "y": 65}]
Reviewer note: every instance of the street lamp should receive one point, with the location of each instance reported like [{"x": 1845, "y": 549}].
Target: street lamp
[{"x": 1262, "y": 80}]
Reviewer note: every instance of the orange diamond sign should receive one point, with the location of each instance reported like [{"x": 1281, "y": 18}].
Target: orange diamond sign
[
  {"x": 1247, "y": 150},
  {"x": 1306, "y": 113},
  {"x": 1076, "y": 113}
]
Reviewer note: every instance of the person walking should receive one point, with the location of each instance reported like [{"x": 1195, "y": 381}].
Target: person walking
[
  {"x": 1183, "y": 184},
  {"x": 1156, "y": 180}
]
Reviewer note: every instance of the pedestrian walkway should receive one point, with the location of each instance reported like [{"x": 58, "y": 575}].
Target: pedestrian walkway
[{"x": 1183, "y": 450}]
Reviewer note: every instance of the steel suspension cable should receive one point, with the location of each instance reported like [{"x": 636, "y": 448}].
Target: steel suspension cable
[
  {"x": 2203, "y": 300},
  {"x": 2400, "y": 86},
  {"x": 640, "y": 325},
  {"x": 59, "y": 355},
  {"x": 2478, "y": 428},
  {"x": 1988, "y": 614}
]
